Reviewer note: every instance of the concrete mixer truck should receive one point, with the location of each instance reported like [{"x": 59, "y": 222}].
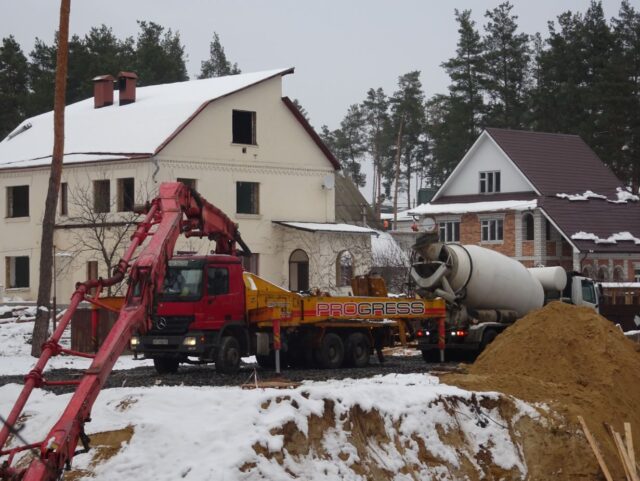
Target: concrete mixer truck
[{"x": 485, "y": 292}]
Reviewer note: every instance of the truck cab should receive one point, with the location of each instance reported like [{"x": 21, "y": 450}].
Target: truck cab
[{"x": 201, "y": 303}]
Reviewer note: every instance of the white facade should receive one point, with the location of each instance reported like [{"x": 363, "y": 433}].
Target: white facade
[
  {"x": 286, "y": 163},
  {"x": 484, "y": 156}
]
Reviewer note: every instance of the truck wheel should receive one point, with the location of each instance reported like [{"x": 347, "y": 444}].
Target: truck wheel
[
  {"x": 165, "y": 365},
  {"x": 228, "y": 356},
  {"x": 358, "y": 350},
  {"x": 487, "y": 338},
  {"x": 330, "y": 354}
]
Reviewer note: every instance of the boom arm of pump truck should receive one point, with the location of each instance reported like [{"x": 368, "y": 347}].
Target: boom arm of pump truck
[{"x": 176, "y": 210}]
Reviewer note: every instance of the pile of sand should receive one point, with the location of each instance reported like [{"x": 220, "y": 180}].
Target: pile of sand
[{"x": 580, "y": 364}]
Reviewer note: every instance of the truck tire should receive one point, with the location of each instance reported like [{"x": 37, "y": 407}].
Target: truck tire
[
  {"x": 330, "y": 354},
  {"x": 358, "y": 350},
  {"x": 228, "y": 356},
  {"x": 165, "y": 365},
  {"x": 487, "y": 338}
]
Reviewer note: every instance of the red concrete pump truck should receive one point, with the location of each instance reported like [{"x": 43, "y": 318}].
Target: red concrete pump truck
[{"x": 228, "y": 315}]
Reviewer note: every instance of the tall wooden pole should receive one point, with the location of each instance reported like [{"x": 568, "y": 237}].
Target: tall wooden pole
[
  {"x": 397, "y": 176},
  {"x": 40, "y": 329}
]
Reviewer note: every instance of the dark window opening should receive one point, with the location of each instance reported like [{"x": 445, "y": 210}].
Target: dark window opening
[
  {"x": 217, "y": 281},
  {"x": 64, "y": 199},
  {"x": 250, "y": 263},
  {"x": 101, "y": 196},
  {"x": 247, "y": 198},
  {"x": 17, "y": 272},
  {"x": 528, "y": 227},
  {"x": 191, "y": 183},
  {"x": 126, "y": 195},
  {"x": 244, "y": 127},
  {"x": 18, "y": 201}
]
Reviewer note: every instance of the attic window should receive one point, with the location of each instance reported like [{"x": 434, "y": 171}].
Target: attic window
[
  {"x": 244, "y": 127},
  {"x": 489, "y": 182}
]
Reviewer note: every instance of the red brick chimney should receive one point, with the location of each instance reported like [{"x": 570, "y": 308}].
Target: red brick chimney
[
  {"x": 102, "y": 91},
  {"x": 127, "y": 87}
]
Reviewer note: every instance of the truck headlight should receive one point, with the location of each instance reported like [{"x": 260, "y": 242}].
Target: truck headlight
[
  {"x": 134, "y": 342},
  {"x": 190, "y": 341}
]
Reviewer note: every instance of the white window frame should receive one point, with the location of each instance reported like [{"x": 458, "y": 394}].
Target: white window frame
[
  {"x": 494, "y": 226},
  {"x": 448, "y": 226},
  {"x": 489, "y": 182}
]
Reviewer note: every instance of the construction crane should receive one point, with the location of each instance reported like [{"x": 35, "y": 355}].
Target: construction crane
[{"x": 176, "y": 210}]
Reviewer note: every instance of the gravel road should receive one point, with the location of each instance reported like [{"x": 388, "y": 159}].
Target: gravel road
[{"x": 206, "y": 375}]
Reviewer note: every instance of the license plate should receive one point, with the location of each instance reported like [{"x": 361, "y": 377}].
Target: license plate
[{"x": 160, "y": 342}]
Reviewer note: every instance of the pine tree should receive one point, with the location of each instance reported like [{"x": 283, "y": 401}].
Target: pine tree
[
  {"x": 348, "y": 143},
  {"x": 379, "y": 140},
  {"x": 627, "y": 31},
  {"x": 13, "y": 85},
  {"x": 467, "y": 71},
  {"x": 217, "y": 65},
  {"x": 42, "y": 68},
  {"x": 159, "y": 55},
  {"x": 507, "y": 56},
  {"x": 408, "y": 120}
]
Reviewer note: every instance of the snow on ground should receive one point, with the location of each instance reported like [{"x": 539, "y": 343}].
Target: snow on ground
[
  {"x": 15, "y": 352},
  {"x": 201, "y": 433}
]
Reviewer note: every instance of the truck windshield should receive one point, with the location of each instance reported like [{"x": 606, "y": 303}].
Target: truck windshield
[
  {"x": 588, "y": 291},
  {"x": 182, "y": 284}
]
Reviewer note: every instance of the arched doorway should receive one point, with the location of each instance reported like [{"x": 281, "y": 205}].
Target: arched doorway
[
  {"x": 298, "y": 271},
  {"x": 344, "y": 269}
]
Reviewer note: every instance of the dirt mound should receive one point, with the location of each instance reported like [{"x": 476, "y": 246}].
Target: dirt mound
[{"x": 573, "y": 359}]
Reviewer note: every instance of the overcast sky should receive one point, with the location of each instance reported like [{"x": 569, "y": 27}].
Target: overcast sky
[{"x": 340, "y": 48}]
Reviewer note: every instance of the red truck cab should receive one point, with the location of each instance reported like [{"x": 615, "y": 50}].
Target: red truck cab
[{"x": 201, "y": 306}]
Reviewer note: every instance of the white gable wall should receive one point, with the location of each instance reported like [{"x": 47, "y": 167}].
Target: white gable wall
[
  {"x": 486, "y": 157},
  {"x": 286, "y": 162}
]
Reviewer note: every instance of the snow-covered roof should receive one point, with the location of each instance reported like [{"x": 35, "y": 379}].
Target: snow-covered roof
[
  {"x": 141, "y": 127},
  {"x": 613, "y": 285},
  {"x": 327, "y": 227},
  {"x": 386, "y": 252},
  {"x": 402, "y": 216},
  {"x": 474, "y": 207}
]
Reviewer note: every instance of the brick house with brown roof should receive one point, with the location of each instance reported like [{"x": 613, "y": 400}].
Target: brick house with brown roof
[{"x": 543, "y": 199}]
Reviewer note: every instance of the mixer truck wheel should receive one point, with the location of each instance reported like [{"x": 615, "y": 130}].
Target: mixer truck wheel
[
  {"x": 358, "y": 350},
  {"x": 165, "y": 365},
  {"x": 330, "y": 354},
  {"x": 228, "y": 356}
]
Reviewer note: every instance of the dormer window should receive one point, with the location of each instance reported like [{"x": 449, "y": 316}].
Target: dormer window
[{"x": 490, "y": 182}]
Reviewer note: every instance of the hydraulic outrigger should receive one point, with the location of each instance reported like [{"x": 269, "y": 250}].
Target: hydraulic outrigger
[{"x": 176, "y": 210}]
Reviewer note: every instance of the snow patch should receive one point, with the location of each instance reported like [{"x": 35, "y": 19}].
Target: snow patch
[
  {"x": 623, "y": 195},
  {"x": 612, "y": 239},
  {"x": 472, "y": 207}
]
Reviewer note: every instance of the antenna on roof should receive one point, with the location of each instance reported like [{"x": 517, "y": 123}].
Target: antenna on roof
[{"x": 19, "y": 130}]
